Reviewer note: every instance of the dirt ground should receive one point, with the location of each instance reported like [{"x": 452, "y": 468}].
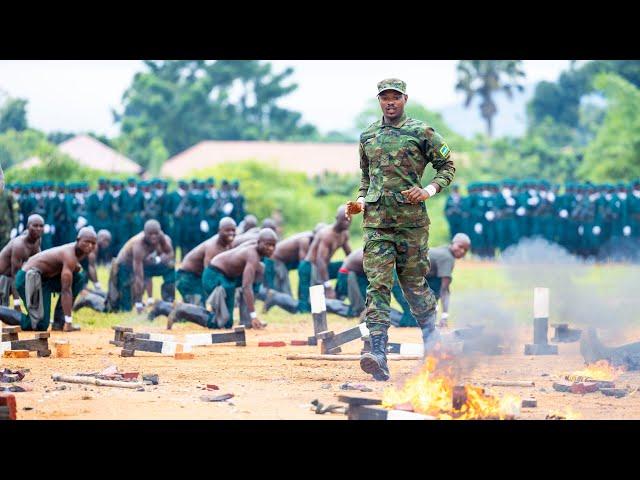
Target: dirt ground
[{"x": 268, "y": 386}]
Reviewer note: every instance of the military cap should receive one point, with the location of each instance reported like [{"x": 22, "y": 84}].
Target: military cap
[
  {"x": 131, "y": 179},
  {"x": 235, "y": 183},
  {"x": 392, "y": 84},
  {"x": 102, "y": 180},
  {"x": 182, "y": 183},
  {"x": 225, "y": 182},
  {"x": 211, "y": 181}
]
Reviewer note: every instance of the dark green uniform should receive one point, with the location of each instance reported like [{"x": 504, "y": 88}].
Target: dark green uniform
[{"x": 131, "y": 205}]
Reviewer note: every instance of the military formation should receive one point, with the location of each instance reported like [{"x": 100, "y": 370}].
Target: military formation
[
  {"x": 188, "y": 214},
  {"x": 600, "y": 221}
]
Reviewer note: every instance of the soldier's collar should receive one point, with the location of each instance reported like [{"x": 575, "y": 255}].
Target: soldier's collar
[{"x": 398, "y": 123}]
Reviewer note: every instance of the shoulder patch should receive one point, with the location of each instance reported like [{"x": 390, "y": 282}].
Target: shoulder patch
[{"x": 444, "y": 150}]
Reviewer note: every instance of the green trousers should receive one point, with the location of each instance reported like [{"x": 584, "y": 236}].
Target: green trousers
[
  {"x": 213, "y": 277},
  {"x": 168, "y": 274},
  {"x": 49, "y": 286},
  {"x": 341, "y": 284},
  {"x": 304, "y": 283},
  {"x": 401, "y": 249},
  {"x": 189, "y": 285}
]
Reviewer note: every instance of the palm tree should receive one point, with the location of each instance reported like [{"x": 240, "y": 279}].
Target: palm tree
[{"x": 484, "y": 78}]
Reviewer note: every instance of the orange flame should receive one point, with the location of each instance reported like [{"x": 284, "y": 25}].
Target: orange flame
[
  {"x": 601, "y": 370},
  {"x": 431, "y": 392}
]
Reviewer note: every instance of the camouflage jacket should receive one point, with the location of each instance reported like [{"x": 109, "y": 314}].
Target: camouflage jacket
[{"x": 392, "y": 159}]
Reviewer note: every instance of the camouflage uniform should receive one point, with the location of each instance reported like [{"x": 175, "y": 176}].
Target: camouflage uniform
[{"x": 392, "y": 159}]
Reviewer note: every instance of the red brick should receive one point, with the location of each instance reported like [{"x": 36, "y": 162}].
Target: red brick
[
  {"x": 299, "y": 342},
  {"x": 9, "y": 400},
  {"x": 272, "y": 344},
  {"x": 584, "y": 387},
  {"x": 16, "y": 353}
]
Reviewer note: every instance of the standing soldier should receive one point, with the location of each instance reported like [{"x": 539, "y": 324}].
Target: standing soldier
[
  {"x": 61, "y": 217},
  {"x": 177, "y": 205},
  {"x": 100, "y": 214},
  {"x": 453, "y": 211},
  {"x": 563, "y": 207},
  {"x": 131, "y": 205},
  {"x": 394, "y": 152},
  {"x": 116, "y": 226},
  {"x": 507, "y": 226},
  {"x": 151, "y": 207},
  {"x": 237, "y": 199},
  {"x": 210, "y": 206}
]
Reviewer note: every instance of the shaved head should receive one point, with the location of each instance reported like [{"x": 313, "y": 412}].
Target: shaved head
[
  {"x": 104, "y": 233},
  {"x": 250, "y": 221},
  {"x": 87, "y": 233},
  {"x": 269, "y": 223},
  {"x": 152, "y": 226},
  {"x": 227, "y": 222},
  {"x": 462, "y": 238},
  {"x": 35, "y": 218},
  {"x": 267, "y": 234},
  {"x": 460, "y": 245}
]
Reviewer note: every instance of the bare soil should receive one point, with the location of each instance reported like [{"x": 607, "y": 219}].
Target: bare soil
[{"x": 266, "y": 385}]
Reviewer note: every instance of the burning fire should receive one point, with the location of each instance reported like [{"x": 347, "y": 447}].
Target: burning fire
[
  {"x": 431, "y": 392},
  {"x": 601, "y": 370}
]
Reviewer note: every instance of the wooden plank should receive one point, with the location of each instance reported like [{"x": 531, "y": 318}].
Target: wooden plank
[
  {"x": 347, "y": 358},
  {"x": 84, "y": 380},
  {"x": 330, "y": 341},
  {"x": 511, "y": 383}
]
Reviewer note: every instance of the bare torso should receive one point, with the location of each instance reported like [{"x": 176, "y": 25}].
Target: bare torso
[
  {"x": 234, "y": 261},
  {"x": 19, "y": 249},
  {"x": 199, "y": 257},
  {"x": 293, "y": 248},
  {"x": 325, "y": 244},
  {"x": 51, "y": 262},
  {"x": 353, "y": 262}
]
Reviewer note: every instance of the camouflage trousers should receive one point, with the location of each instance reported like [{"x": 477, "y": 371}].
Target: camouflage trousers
[{"x": 405, "y": 250}]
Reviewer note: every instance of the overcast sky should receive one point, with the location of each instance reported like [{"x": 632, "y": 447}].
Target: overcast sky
[{"x": 78, "y": 96}]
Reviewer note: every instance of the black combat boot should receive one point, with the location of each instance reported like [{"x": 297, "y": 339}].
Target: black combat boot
[
  {"x": 282, "y": 300},
  {"x": 186, "y": 312},
  {"x": 160, "y": 308},
  {"x": 10, "y": 316},
  {"x": 375, "y": 361},
  {"x": 430, "y": 334}
]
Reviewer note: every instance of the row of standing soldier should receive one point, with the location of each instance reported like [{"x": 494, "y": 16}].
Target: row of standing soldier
[
  {"x": 189, "y": 214},
  {"x": 597, "y": 221}
]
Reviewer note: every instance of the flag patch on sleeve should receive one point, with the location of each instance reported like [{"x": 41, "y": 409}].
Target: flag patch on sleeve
[{"x": 444, "y": 150}]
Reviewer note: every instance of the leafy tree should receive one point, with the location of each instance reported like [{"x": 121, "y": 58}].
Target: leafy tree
[
  {"x": 561, "y": 100},
  {"x": 56, "y": 166},
  {"x": 13, "y": 115},
  {"x": 16, "y": 147},
  {"x": 185, "y": 101},
  {"x": 59, "y": 137},
  {"x": 614, "y": 153},
  {"x": 484, "y": 78}
]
